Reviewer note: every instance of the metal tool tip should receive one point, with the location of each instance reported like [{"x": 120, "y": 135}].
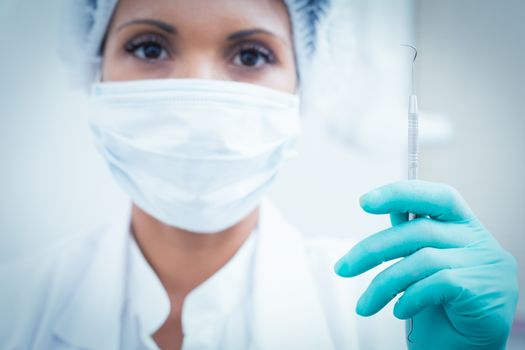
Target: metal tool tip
[{"x": 413, "y": 48}]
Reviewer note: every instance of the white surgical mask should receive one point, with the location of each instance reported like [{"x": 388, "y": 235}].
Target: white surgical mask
[{"x": 193, "y": 153}]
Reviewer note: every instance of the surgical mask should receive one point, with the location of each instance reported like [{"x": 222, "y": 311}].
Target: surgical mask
[{"x": 193, "y": 153}]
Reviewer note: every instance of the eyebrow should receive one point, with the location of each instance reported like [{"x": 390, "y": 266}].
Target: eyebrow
[
  {"x": 249, "y": 32},
  {"x": 159, "y": 24},
  {"x": 172, "y": 30}
]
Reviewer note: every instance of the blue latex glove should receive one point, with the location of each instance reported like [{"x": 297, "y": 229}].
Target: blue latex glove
[{"x": 460, "y": 286}]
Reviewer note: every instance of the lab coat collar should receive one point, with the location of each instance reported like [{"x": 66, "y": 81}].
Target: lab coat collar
[
  {"x": 221, "y": 294},
  {"x": 147, "y": 299},
  {"x": 287, "y": 313},
  {"x": 100, "y": 288},
  {"x": 287, "y": 309}
]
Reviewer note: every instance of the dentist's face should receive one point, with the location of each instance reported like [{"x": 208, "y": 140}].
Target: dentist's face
[{"x": 242, "y": 40}]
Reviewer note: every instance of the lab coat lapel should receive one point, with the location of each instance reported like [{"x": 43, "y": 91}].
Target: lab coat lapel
[
  {"x": 91, "y": 319},
  {"x": 287, "y": 312}
]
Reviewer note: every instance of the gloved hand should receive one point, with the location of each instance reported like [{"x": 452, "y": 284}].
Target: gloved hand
[{"x": 460, "y": 286}]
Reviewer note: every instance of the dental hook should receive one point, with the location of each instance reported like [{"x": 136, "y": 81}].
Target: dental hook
[
  {"x": 413, "y": 61},
  {"x": 413, "y": 48}
]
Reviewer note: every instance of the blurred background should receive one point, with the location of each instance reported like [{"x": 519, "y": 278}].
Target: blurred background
[{"x": 469, "y": 75}]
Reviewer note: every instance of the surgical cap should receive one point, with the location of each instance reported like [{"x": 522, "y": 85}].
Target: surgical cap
[{"x": 87, "y": 22}]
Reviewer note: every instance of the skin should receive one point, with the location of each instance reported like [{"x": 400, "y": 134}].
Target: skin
[{"x": 248, "y": 41}]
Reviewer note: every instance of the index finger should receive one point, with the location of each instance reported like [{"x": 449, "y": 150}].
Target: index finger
[
  {"x": 439, "y": 201},
  {"x": 400, "y": 241}
]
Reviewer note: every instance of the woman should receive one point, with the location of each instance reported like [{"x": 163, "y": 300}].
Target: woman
[{"x": 196, "y": 107}]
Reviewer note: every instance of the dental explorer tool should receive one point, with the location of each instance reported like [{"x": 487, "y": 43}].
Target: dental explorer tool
[{"x": 413, "y": 148}]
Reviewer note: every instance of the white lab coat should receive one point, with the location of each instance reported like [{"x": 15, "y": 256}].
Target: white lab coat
[{"x": 70, "y": 295}]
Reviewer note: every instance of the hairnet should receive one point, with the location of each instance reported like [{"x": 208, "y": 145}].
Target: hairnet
[{"x": 86, "y": 23}]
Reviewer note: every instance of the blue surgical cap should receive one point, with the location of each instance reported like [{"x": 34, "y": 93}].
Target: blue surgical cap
[{"x": 87, "y": 22}]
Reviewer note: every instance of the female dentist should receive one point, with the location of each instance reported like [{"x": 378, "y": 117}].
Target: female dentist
[{"x": 196, "y": 107}]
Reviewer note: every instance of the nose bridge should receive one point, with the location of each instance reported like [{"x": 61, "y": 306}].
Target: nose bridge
[{"x": 198, "y": 66}]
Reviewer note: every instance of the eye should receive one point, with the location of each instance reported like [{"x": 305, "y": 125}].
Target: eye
[
  {"x": 253, "y": 56},
  {"x": 149, "y": 47}
]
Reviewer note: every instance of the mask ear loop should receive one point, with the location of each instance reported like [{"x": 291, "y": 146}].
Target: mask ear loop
[
  {"x": 98, "y": 73},
  {"x": 96, "y": 76}
]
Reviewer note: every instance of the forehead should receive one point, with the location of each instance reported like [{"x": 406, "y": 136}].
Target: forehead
[{"x": 210, "y": 15}]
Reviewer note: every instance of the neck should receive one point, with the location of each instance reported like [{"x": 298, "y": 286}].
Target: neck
[{"x": 184, "y": 259}]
